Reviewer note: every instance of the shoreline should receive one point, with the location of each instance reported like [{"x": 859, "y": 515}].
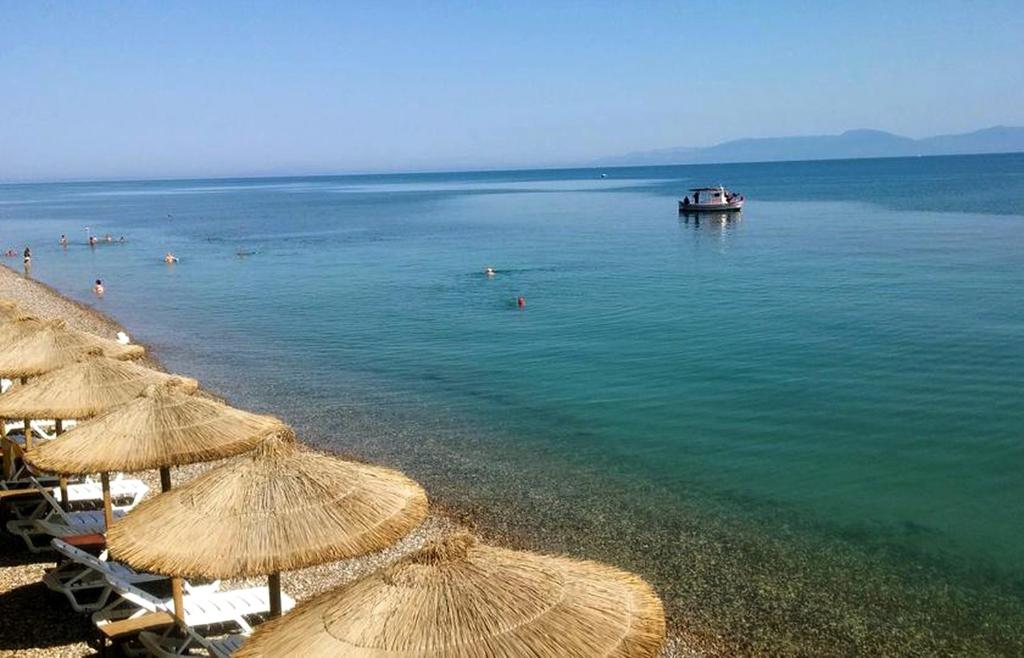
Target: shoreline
[{"x": 21, "y": 571}]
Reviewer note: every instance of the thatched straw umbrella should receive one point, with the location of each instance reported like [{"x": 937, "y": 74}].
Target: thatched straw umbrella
[
  {"x": 166, "y": 425},
  {"x": 278, "y": 508},
  {"x": 83, "y": 390},
  {"x": 54, "y": 345},
  {"x": 460, "y": 599},
  {"x": 49, "y": 346},
  {"x": 8, "y": 308},
  {"x": 14, "y": 324}
]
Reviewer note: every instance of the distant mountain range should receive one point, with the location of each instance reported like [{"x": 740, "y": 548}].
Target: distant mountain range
[{"x": 850, "y": 144}]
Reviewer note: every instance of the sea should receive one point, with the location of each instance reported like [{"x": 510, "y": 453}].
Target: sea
[{"x": 803, "y": 423}]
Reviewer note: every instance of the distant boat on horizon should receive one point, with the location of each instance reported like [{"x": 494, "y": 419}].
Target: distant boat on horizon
[{"x": 711, "y": 199}]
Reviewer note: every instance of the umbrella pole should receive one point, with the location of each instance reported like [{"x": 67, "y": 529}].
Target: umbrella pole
[
  {"x": 179, "y": 599},
  {"x": 63, "y": 483},
  {"x": 165, "y": 478},
  {"x": 28, "y": 426},
  {"x": 8, "y": 450},
  {"x": 274, "y": 585},
  {"x": 58, "y": 430},
  {"x": 108, "y": 508}
]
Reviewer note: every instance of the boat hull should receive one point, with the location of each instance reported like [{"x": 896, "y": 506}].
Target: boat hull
[{"x": 735, "y": 206}]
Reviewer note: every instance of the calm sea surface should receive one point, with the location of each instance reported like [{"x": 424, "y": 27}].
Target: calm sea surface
[{"x": 805, "y": 424}]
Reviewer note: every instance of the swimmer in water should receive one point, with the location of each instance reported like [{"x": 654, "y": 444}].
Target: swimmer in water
[
  {"x": 170, "y": 258},
  {"x": 98, "y": 287},
  {"x": 489, "y": 271},
  {"x": 92, "y": 240},
  {"x": 521, "y": 302},
  {"x": 63, "y": 240}
]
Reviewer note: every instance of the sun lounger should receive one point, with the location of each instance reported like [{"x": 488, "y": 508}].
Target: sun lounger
[
  {"x": 85, "y": 579},
  {"x": 126, "y": 494},
  {"x": 181, "y": 640},
  {"x": 125, "y": 633},
  {"x": 36, "y": 532},
  {"x": 23, "y": 475},
  {"x": 45, "y": 430},
  {"x": 204, "y": 606},
  {"x": 15, "y": 442}
]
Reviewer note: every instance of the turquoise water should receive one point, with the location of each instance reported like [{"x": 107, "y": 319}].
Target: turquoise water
[{"x": 804, "y": 425}]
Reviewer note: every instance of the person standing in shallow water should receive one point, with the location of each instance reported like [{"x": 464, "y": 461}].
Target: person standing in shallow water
[
  {"x": 98, "y": 288},
  {"x": 521, "y": 302},
  {"x": 27, "y": 256},
  {"x": 63, "y": 240}
]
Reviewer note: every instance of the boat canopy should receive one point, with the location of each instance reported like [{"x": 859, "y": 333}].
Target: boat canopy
[{"x": 706, "y": 189}]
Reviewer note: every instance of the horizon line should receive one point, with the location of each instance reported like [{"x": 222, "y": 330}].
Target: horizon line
[{"x": 441, "y": 172}]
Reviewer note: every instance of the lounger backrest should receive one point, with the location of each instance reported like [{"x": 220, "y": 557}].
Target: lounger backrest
[
  {"x": 137, "y": 596},
  {"x": 48, "y": 497},
  {"x": 81, "y": 557},
  {"x": 66, "y": 549}
]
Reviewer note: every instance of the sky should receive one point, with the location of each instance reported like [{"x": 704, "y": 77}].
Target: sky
[{"x": 93, "y": 90}]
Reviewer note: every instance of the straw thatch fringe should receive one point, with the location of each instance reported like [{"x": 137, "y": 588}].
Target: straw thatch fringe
[
  {"x": 8, "y": 308},
  {"x": 461, "y": 599},
  {"x": 16, "y": 326},
  {"x": 54, "y": 345},
  {"x": 166, "y": 425},
  {"x": 278, "y": 508},
  {"x": 82, "y": 389}
]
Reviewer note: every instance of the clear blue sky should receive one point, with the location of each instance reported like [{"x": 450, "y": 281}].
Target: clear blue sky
[{"x": 141, "y": 89}]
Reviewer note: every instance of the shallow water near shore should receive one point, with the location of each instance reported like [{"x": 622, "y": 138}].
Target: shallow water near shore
[{"x": 803, "y": 424}]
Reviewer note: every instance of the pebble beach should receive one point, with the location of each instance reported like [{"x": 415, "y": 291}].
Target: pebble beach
[{"x": 38, "y": 623}]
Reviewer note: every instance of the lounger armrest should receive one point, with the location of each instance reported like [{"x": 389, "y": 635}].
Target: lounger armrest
[{"x": 130, "y": 627}]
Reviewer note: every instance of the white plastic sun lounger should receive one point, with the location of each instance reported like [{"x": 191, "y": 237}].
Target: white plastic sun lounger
[
  {"x": 85, "y": 493},
  {"x": 45, "y": 430},
  {"x": 85, "y": 579},
  {"x": 171, "y": 644},
  {"x": 42, "y": 431},
  {"x": 37, "y": 533},
  {"x": 57, "y": 523},
  {"x": 22, "y": 478},
  {"x": 203, "y": 606}
]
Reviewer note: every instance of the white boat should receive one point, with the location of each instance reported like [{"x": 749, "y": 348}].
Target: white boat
[{"x": 711, "y": 199}]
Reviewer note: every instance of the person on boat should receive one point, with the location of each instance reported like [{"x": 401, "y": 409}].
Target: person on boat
[
  {"x": 170, "y": 258},
  {"x": 696, "y": 197},
  {"x": 98, "y": 287},
  {"x": 63, "y": 240},
  {"x": 686, "y": 200},
  {"x": 521, "y": 302}
]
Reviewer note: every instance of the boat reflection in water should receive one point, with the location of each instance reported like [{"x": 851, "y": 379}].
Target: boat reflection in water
[
  {"x": 710, "y": 219},
  {"x": 712, "y": 228}
]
